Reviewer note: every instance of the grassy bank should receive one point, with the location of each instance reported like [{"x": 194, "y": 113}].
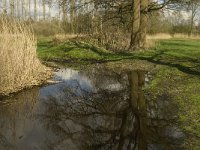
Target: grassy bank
[{"x": 175, "y": 64}]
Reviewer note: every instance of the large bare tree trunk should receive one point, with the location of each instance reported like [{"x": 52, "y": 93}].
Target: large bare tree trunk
[
  {"x": 143, "y": 22},
  {"x": 135, "y": 38},
  {"x": 139, "y": 24}
]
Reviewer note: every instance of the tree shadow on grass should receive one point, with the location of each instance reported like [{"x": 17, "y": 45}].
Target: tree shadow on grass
[
  {"x": 93, "y": 49},
  {"x": 174, "y": 62},
  {"x": 159, "y": 57},
  {"x": 180, "y": 67}
]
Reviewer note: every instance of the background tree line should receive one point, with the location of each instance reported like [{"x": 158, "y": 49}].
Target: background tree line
[{"x": 120, "y": 23}]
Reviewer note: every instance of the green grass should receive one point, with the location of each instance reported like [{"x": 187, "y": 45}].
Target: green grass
[
  {"x": 184, "y": 91},
  {"x": 183, "y": 54},
  {"x": 73, "y": 50},
  {"x": 178, "y": 53},
  {"x": 177, "y": 73}
]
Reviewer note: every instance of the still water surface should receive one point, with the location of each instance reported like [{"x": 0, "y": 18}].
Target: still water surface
[{"x": 89, "y": 109}]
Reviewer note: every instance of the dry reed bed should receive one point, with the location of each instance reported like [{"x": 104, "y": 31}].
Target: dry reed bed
[{"x": 19, "y": 65}]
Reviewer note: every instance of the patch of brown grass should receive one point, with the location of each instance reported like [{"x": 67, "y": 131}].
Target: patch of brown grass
[
  {"x": 186, "y": 36},
  {"x": 159, "y": 36},
  {"x": 18, "y": 60}
]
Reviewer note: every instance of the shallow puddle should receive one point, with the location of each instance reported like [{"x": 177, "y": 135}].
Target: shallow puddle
[{"x": 91, "y": 109}]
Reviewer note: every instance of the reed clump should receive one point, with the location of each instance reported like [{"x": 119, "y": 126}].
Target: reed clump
[{"x": 19, "y": 65}]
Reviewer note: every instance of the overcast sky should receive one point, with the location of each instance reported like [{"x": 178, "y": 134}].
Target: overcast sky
[{"x": 54, "y": 8}]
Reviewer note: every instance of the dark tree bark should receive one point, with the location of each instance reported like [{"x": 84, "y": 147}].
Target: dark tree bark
[
  {"x": 139, "y": 24},
  {"x": 143, "y": 22},
  {"x": 135, "y": 38},
  {"x": 138, "y": 104}
]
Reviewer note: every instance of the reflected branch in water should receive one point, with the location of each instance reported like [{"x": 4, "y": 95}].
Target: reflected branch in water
[{"x": 108, "y": 119}]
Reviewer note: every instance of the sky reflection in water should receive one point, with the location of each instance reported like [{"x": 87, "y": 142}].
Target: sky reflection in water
[{"x": 94, "y": 109}]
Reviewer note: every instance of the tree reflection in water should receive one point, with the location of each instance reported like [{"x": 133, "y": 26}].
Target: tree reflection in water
[
  {"x": 17, "y": 118},
  {"x": 110, "y": 119}
]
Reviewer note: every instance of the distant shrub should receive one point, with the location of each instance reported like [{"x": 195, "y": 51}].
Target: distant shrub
[{"x": 46, "y": 28}]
